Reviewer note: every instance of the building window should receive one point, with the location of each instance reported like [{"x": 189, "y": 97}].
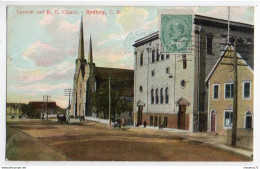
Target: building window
[
  {"x": 157, "y": 55},
  {"x": 152, "y": 96},
  {"x": 167, "y": 56},
  {"x": 141, "y": 60},
  {"x": 162, "y": 56},
  {"x": 161, "y": 96},
  {"x": 153, "y": 72},
  {"x": 248, "y": 120},
  {"x": 167, "y": 70},
  {"x": 229, "y": 91},
  {"x": 165, "y": 121},
  {"x": 184, "y": 61},
  {"x": 246, "y": 90},
  {"x": 223, "y": 41},
  {"x": 151, "y": 120},
  {"x": 156, "y": 96},
  {"x": 155, "y": 121},
  {"x": 215, "y": 91},
  {"x": 153, "y": 55},
  {"x": 166, "y": 95},
  {"x": 228, "y": 118},
  {"x": 141, "y": 88},
  {"x": 249, "y": 41},
  {"x": 209, "y": 43},
  {"x": 183, "y": 83}
]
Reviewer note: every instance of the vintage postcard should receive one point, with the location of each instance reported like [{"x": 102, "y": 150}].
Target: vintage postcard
[{"x": 130, "y": 83}]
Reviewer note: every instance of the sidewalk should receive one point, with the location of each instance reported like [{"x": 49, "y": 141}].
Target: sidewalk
[{"x": 203, "y": 137}]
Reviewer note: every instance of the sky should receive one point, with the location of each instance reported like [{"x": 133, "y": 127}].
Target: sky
[{"x": 42, "y": 47}]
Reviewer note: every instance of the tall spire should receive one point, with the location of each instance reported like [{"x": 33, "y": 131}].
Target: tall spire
[
  {"x": 90, "y": 57},
  {"x": 81, "y": 41}
]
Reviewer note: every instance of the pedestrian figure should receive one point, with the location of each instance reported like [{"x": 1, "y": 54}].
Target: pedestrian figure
[{"x": 144, "y": 124}]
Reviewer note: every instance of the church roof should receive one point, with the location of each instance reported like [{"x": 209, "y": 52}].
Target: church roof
[{"x": 125, "y": 77}]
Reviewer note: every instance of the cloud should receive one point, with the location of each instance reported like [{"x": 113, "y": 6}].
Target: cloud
[
  {"x": 132, "y": 18},
  {"x": 44, "y": 54},
  {"x": 63, "y": 71},
  {"x": 36, "y": 88}
]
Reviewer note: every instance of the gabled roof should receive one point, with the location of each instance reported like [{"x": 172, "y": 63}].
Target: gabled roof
[{"x": 250, "y": 62}]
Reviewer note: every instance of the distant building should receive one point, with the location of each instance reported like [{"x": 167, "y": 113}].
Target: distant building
[
  {"x": 170, "y": 87},
  {"x": 88, "y": 78},
  {"x": 14, "y": 109},
  {"x": 220, "y": 84},
  {"x": 43, "y": 107}
]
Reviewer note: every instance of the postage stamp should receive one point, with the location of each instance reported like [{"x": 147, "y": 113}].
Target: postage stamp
[{"x": 176, "y": 33}]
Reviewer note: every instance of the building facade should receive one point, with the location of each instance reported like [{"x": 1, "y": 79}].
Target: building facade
[
  {"x": 170, "y": 87},
  {"x": 220, "y": 84}
]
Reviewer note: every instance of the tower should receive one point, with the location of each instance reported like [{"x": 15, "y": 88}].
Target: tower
[
  {"x": 78, "y": 104},
  {"x": 91, "y": 82}
]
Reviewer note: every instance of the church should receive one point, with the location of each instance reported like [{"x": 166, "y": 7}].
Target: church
[{"x": 88, "y": 78}]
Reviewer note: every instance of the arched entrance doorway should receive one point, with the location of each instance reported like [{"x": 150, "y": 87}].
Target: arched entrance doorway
[
  {"x": 248, "y": 119},
  {"x": 182, "y": 103},
  {"x": 213, "y": 120},
  {"x": 140, "y": 105}
]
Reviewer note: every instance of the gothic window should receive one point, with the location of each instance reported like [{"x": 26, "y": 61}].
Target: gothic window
[
  {"x": 141, "y": 60},
  {"x": 153, "y": 55},
  {"x": 184, "y": 61},
  {"x": 156, "y": 96},
  {"x": 151, "y": 120},
  {"x": 152, "y": 96},
  {"x": 209, "y": 43},
  {"x": 166, "y": 95},
  {"x": 162, "y": 56},
  {"x": 141, "y": 88},
  {"x": 157, "y": 55},
  {"x": 161, "y": 96},
  {"x": 248, "y": 119},
  {"x": 153, "y": 72},
  {"x": 168, "y": 70},
  {"x": 183, "y": 83}
]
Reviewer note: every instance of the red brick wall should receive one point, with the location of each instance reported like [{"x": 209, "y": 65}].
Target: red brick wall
[{"x": 172, "y": 119}]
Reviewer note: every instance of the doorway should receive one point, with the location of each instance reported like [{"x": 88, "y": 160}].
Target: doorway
[
  {"x": 139, "y": 115},
  {"x": 181, "y": 117},
  {"x": 213, "y": 121}
]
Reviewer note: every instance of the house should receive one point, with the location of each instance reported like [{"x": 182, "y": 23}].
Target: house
[
  {"x": 14, "y": 109},
  {"x": 43, "y": 107},
  {"x": 220, "y": 98},
  {"x": 169, "y": 86},
  {"x": 89, "y": 78}
]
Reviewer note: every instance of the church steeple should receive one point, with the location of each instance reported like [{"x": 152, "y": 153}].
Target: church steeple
[
  {"x": 81, "y": 41},
  {"x": 90, "y": 57}
]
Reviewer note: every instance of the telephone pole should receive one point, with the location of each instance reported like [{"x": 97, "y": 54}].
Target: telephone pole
[
  {"x": 234, "y": 127},
  {"x": 47, "y": 100},
  {"x": 235, "y": 91},
  {"x": 109, "y": 100},
  {"x": 68, "y": 92}
]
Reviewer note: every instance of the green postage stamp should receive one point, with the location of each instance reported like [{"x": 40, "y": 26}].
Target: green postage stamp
[{"x": 176, "y": 33}]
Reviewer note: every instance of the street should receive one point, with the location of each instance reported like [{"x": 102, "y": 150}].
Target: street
[{"x": 91, "y": 141}]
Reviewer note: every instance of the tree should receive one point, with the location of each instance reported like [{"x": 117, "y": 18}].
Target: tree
[{"x": 101, "y": 103}]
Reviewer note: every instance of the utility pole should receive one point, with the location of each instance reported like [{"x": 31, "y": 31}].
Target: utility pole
[
  {"x": 47, "y": 100},
  {"x": 109, "y": 100},
  {"x": 68, "y": 92},
  {"x": 234, "y": 127},
  {"x": 235, "y": 91}
]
